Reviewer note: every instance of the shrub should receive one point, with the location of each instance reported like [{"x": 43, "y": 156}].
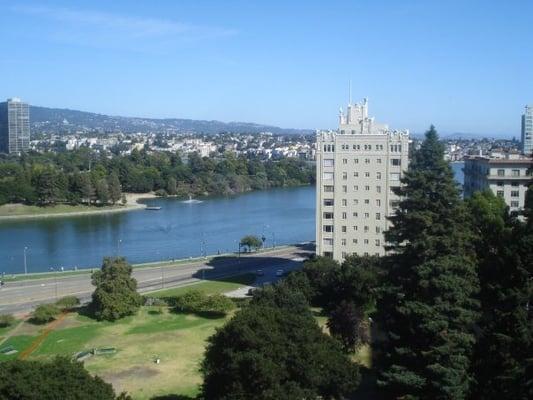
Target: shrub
[
  {"x": 6, "y": 320},
  {"x": 67, "y": 302},
  {"x": 195, "y": 301},
  {"x": 217, "y": 304},
  {"x": 45, "y": 313},
  {"x": 161, "y": 193}
]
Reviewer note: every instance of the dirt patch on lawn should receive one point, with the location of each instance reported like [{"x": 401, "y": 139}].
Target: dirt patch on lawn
[{"x": 136, "y": 372}]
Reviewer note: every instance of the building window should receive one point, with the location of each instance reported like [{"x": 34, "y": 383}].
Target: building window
[
  {"x": 354, "y": 214},
  {"x": 328, "y": 241},
  {"x": 344, "y": 215},
  {"x": 356, "y": 174},
  {"x": 345, "y": 175},
  {"x": 515, "y": 184},
  {"x": 366, "y": 229},
  {"x": 354, "y": 241},
  {"x": 378, "y": 160},
  {"x": 355, "y": 188},
  {"x": 343, "y": 229},
  {"x": 395, "y": 162},
  {"x": 515, "y": 172},
  {"x": 367, "y": 201},
  {"x": 327, "y": 175},
  {"x": 328, "y": 202},
  {"x": 378, "y": 216},
  {"x": 394, "y": 176},
  {"x": 378, "y": 229},
  {"x": 394, "y": 203},
  {"x": 378, "y": 242},
  {"x": 378, "y": 175},
  {"x": 514, "y": 204},
  {"x": 378, "y": 189},
  {"x": 366, "y": 241},
  {"x": 344, "y": 202},
  {"x": 501, "y": 172},
  {"x": 328, "y": 215},
  {"x": 378, "y": 202},
  {"x": 344, "y": 189},
  {"x": 515, "y": 193},
  {"x": 355, "y": 202},
  {"x": 344, "y": 254},
  {"x": 499, "y": 183},
  {"x": 499, "y": 193},
  {"x": 367, "y": 215},
  {"x": 329, "y": 188},
  {"x": 355, "y": 227},
  {"x": 328, "y": 228},
  {"x": 367, "y": 160},
  {"x": 345, "y": 161},
  {"x": 367, "y": 187},
  {"x": 328, "y": 254},
  {"x": 356, "y": 161},
  {"x": 367, "y": 174},
  {"x": 343, "y": 242},
  {"x": 329, "y": 162}
]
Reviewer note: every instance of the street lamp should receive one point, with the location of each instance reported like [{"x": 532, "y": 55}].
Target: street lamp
[
  {"x": 118, "y": 246},
  {"x": 25, "y": 264}
]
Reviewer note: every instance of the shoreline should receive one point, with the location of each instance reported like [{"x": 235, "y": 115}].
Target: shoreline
[{"x": 132, "y": 203}]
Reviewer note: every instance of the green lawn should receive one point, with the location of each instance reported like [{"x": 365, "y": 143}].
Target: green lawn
[
  {"x": 21, "y": 209},
  {"x": 177, "y": 339},
  {"x": 209, "y": 287}
]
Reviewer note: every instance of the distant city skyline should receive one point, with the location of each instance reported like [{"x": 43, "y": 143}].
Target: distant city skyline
[{"x": 458, "y": 65}]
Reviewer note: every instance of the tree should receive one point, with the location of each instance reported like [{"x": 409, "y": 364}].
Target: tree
[
  {"x": 273, "y": 353},
  {"x": 252, "y": 242},
  {"x": 505, "y": 345},
  {"x": 115, "y": 191},
  {"x": 116, "y": 294},
  {"x": 102, "y": 191},
  {"x": 44, "y": 313},
  {"x": 87, "y": 189},
  {"x": 428, "y": 307},
  {"x": 171, "y": 186},
  {"x": 6, "y": 320},
  {"x": 348, "y": 323},
  {"x": 57, "y": 379}
]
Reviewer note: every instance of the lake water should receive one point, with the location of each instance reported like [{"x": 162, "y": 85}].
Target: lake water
[{"x": 178, "y": 230}]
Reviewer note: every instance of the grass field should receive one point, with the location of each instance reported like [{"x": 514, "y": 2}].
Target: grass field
[
  {"x": 177, "y": 339},
  {"x": 21, "y": 209},
  {"x": 209, "y": 287}
]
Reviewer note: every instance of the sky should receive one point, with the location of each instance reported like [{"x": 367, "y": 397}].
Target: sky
[{"x": 464, "y": 66}]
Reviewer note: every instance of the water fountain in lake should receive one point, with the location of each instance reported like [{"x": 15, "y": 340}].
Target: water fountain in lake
[{"x": 191, "y": 201}]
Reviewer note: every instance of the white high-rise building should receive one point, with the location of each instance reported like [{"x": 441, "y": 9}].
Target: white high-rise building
[
  {"x": 14, "y": 126},
  {"x": 527, "y": 131},
  {"x": 357, "y": 168}
]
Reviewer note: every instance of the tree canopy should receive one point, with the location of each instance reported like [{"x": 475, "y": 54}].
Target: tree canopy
[{"x": 116, "y": 294}]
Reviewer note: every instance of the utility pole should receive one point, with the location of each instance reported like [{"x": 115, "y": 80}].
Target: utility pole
[{"x": 25, "y": 264}]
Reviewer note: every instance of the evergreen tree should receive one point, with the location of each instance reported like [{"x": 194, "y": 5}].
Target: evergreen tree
[
  {"x": 428, "y": 307},
  {"x": 102, "y": 191},
  {"x": 504, "y": 348},
  {"x": 87, "y": 189},
  {"x": 115, "y": 191},
  {"x": 116, "y": 294},
  {"x": 347, "y": 323},
  {"x": 270, "y": 353},
  {"x": 172, "y": 186}
]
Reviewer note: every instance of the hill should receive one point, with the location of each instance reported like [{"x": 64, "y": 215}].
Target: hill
[{"x": 64, "y": 121}]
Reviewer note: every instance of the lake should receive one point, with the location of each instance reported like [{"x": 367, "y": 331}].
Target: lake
[{"x": 178, "y": 230}]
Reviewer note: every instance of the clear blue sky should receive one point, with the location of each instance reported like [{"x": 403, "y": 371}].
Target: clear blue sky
[{"x": 466, "y": 66}]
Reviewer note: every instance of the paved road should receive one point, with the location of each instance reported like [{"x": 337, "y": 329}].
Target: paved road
[{"x": 22, "y": 296}]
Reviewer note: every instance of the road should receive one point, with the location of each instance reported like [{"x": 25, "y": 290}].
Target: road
[{"x": 23, "y": 296}]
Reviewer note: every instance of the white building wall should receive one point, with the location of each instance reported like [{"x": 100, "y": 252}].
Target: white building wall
[{"x": 355, "y": 176}]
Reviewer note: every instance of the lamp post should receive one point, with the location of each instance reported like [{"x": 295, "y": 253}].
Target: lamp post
[
  {"x": 118, "y": 246},
  {"x": 55, "y": 280},
  {"x": 25, "y": 263}
]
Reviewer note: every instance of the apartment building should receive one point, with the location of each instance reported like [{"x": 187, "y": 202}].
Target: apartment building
[
  {"x": 14, "y": 126},
  {"x": 507, "y": 175},
  {"x": 357, "y": 168},
  {"x": 527, "y": 131}
]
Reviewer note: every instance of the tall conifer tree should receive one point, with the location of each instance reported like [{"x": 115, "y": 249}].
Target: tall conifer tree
[{"x": 428, "y": 307}]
